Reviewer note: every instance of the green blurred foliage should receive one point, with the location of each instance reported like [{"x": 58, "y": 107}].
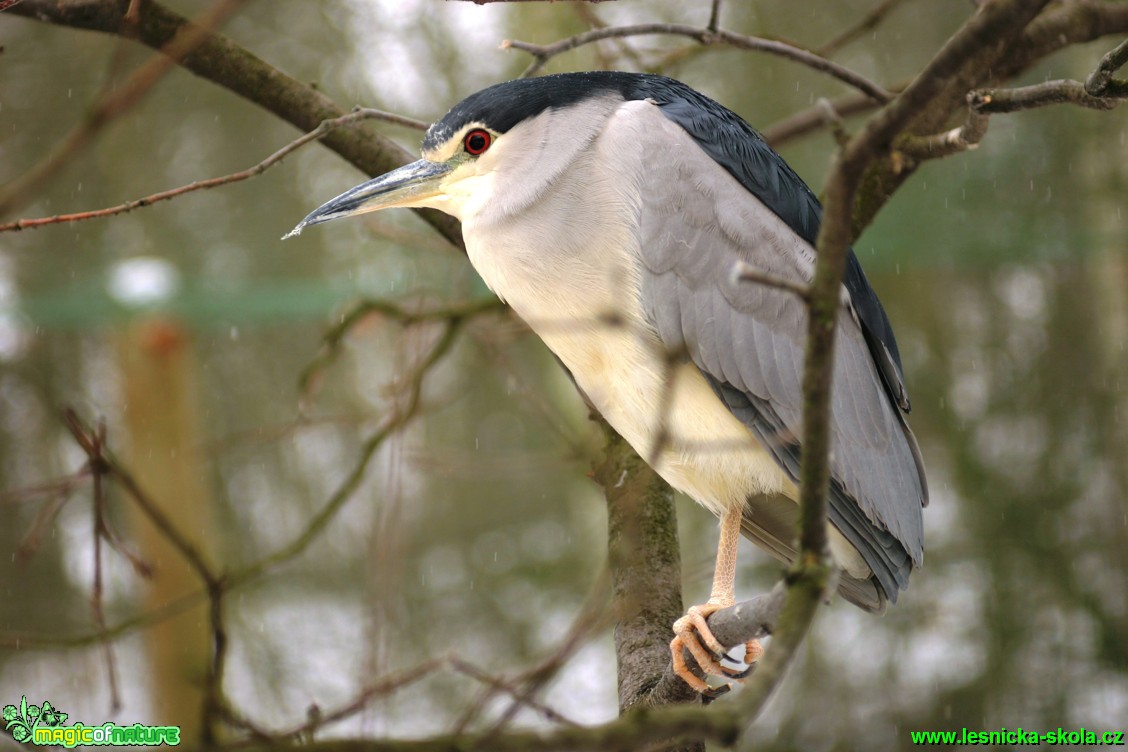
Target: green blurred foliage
[{"x": 476, "y": 530}]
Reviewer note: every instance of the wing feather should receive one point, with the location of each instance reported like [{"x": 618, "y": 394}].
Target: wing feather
[{"x": 748, "y": 340}]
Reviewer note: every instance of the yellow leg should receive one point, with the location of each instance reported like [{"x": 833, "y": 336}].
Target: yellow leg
[{"x": 692, "y": 633}]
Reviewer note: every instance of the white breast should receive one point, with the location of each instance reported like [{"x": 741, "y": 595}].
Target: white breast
[{"x": 582, "y": 300}]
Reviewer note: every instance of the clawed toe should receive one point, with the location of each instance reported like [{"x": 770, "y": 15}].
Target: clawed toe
[
  {"x": 692, "y": 633},
  {"x": 711, "y": 693}
]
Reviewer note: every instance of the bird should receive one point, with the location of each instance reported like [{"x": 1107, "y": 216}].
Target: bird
[{"x": 614, "y": 213}]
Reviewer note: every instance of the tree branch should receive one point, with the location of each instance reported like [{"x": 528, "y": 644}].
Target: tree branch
[
  {"x": 1099, "y": 92},
  {"x": 645, "y": 562},
  {"x": 1059, "y": 26},
  {"x": 543, "y": 53},
  {"x": 1100, "y": 82},
  {"x": 113, "y": 104},
  {"x": 319, "y": 132},
  {"x": 868, "y": 22},
  {"x": 990, "y": 101},
  {"x": 221, "y": 61}
]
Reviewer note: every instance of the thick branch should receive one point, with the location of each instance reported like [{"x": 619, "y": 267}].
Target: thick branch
[{"x": 645, "y": 564}]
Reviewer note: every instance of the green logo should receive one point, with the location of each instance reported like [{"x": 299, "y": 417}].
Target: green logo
[{"x": 43, "y": 724}]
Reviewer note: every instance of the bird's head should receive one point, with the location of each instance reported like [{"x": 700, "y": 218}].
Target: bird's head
[{"x": 494, "y": 153}]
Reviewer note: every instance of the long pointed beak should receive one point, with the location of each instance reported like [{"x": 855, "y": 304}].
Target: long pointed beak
[{"x": 403, "y": 187}]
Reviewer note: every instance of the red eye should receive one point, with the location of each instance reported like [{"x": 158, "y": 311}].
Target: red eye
[{"x": 477, "y": 142}]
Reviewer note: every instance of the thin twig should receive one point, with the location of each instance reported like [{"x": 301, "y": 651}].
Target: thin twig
[
  {"x": 332, "y": 339},
  {"x": 518, "y": 695},
  {"x": 117, "y": 102},
  {"x": 33, "y": 539},
  {"x": 21, "y": 641},
  {"x": 214, "y": 699},
  {"x": 98, "y": 455},
  {"x": 1100, "y": 91},
  {"x": 317, "y": 133},
  {"x": 221, "y": 61},
  {"x": 99, "y": 470},
  {"x": 368, "y": 449},
  {"x": 813, "y": 118},
  {"x": 868, "y": 22},
  {"x": 62, "y": 487},
  {"x": 593, "y": 618},
  {"x": 714, "y": 16},
  {"x": 543, "y": 53}
]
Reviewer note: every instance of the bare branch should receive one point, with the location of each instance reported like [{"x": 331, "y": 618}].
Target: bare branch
[
  {"x": 331, "y": 341},
  {"x": 962, "y": 138},
  {"x": 593, "y": 618},
  {"x": 99, "y": 615},
  {"x": 22, "y": 641},
  {"x": 382, "y": 687},
  {"x": 814, "y": 118},
  {"x": 521, "y": 697},
  {"x": 1100, "y": 82},
  {"x": 714, "y": 16},
  {"x": 543, "y": 53},
  {"x": 20, "y": 191},
  {"x": 218, "y": 59},
  {"x": 987, "y": 101},
  {"x": 102, "y": 462},
  {"x": 1057, "y": 26},
  {"x": 317, "y": 133},
  {"x": 868, "y": 22},
  {"x": 401, "y": 417},
  {"x": 1099, "y": 92},
  {"x": 61, "y": 487}
]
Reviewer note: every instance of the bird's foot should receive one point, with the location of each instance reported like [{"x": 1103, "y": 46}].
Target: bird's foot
[{"x": 691, "y": 632}]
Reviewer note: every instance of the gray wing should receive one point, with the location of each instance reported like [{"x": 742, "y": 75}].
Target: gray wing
[{"x": 748, "y": 340}]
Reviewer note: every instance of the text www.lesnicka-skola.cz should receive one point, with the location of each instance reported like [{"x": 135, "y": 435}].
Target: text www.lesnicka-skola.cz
[{"x": 1020, "y": 737}]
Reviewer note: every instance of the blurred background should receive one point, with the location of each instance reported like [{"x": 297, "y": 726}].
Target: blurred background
[{"x": 186, "y": 326}]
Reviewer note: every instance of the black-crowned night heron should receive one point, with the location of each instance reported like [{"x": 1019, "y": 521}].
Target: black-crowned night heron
[{"x": 613, "y": 212}]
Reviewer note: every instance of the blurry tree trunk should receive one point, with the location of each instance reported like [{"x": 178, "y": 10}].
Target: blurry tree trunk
[
  {"x": 645, "y": 562},
  {"x": 162, "y": 417}
]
